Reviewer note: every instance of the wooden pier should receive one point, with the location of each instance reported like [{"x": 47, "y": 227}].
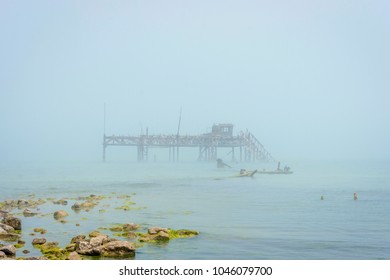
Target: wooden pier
[{"x": 244, "y": 146}]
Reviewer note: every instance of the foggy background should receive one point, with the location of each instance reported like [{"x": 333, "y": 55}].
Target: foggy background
[{"x": 310, "y": 79}]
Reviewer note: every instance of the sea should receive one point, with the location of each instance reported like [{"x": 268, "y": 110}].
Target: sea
[{"x": 264, "y": 217}]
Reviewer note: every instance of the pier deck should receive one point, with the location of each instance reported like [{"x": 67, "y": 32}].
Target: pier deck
[{"x": 249, "y": 148}]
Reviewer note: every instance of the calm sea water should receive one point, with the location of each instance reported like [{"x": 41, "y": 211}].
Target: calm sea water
[{"x": 265, "y": 217}]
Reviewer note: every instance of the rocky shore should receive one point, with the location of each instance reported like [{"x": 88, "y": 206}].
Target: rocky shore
[{"x": 121, "y": 241}]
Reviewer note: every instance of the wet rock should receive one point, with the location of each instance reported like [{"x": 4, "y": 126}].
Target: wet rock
[
  {"x": 76, "y": 206},
  {"x": 118, "y": 249},
  {"x": 74, "y": 256},
  {"x": 164, "y": 235},
  {"x": 22, "y": 202},
  {"x": 78, "y": 238},
  {"x": 87, "y": 205},
  {"x": 9, "y": 250},
  {"x": 2, "y": 255},
  {"x": 98, "y": 240},
  {"x": 25, "y": 251},
  {"x": 6, "y": 228},
  {"x": 131, "y": 235},
  {"x": 12, "y": 221},
  {"x": 41, "y": 230},
  {"x": 61, "y": 201},
  {"x": 85, "y": 248},
  {"x": 156, "y": 230},
  {"x": 95, "y": 233},
  {"x": 38, "y": 241},
  {"x": 130, "y": 227},
  {"x": 116, "y": 228},
  {"x": 60, "y": 214},
  {"x": 28, "y": 213}
]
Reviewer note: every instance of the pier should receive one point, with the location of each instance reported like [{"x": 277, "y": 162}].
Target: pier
[{"x": 244, "y": 146}]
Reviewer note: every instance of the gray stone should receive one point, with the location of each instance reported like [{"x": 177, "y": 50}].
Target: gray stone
[
  {"x": 118, "y": 249},
  {"x": 74, "y": 256},
  {"x": 38, "y": 241},
  {"x": 9, "y": 250},
  {"x": 156, "y": 230},
  {"x": 6, "y": 228},
  {"x": 12, "y": 221}
]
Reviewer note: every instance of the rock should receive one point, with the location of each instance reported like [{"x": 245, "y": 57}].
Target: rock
[
  {"x": 71, "y": 247},
  {"x": 131, "y": 235},
  {"x": 74, "y": 256},
  {"x": 76, "y": 206},
  {"x": 41, "y": 230},
  {"x": 28, "y": 213},
  {"x": 12, "y": 221},
  {"x": 98, "y": 240},
  {"x": 161, "y": 236},
  {"x": 78, "y": 238},
  {"x": 22, "y": 202},
  {"x": 95, "y": 233},
  {"x": 11, "y": 237},
  {"x": 118, "y": 249},
  {"x": 117, "y": 228},
  {"x": 87, "y": 205},
  {"x": 21, "y": 242},
  {"x": 2, "y": 255},
  {"x": 6, "y": 228},
  {"x": 130, "y": 227},
  {"x": 38, "y": 241},
  {"x": 60, "y": 214},
  {"x": 26, "y": 252},
  {"x": 85, "y": 248},
  {"x": 156, "y": 230},
  {"x": 9, "y": 250},
  {"x": 61, "y": 201}
]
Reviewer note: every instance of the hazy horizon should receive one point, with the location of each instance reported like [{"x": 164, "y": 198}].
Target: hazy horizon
[{"x": 308, "y": 78}]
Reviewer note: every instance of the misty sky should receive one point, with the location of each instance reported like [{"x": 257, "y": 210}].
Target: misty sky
[{"x": 309, "y": 78}]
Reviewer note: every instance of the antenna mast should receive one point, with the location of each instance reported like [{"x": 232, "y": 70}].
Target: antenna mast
[{"x": 177, "y": 136}]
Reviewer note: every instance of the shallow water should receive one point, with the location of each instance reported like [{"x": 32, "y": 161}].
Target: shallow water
[{"x": 264, "y": 217}]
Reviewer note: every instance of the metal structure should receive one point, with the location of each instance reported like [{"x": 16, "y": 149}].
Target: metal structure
[{"x": 221, "y": 136}]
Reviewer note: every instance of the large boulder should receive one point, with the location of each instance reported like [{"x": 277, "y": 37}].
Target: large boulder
[
  {"x": 9, "y": 250},
  {"x": 6, "y": 228},
  {"x": 12, "y": 221},
  {"x": 118, "y": 249}
]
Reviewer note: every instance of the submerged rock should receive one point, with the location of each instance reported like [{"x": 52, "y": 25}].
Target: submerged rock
[
  {"x": 158, "y": 234},
  {"x": 28, "y": 213},
  {"x": 41, "y": 230}
]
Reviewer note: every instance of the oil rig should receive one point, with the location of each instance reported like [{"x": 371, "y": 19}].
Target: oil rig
[{"x": 243, "y": 147}]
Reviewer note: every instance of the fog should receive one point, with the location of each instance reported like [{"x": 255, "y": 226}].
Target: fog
[{"x": 310, "y": 79}]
